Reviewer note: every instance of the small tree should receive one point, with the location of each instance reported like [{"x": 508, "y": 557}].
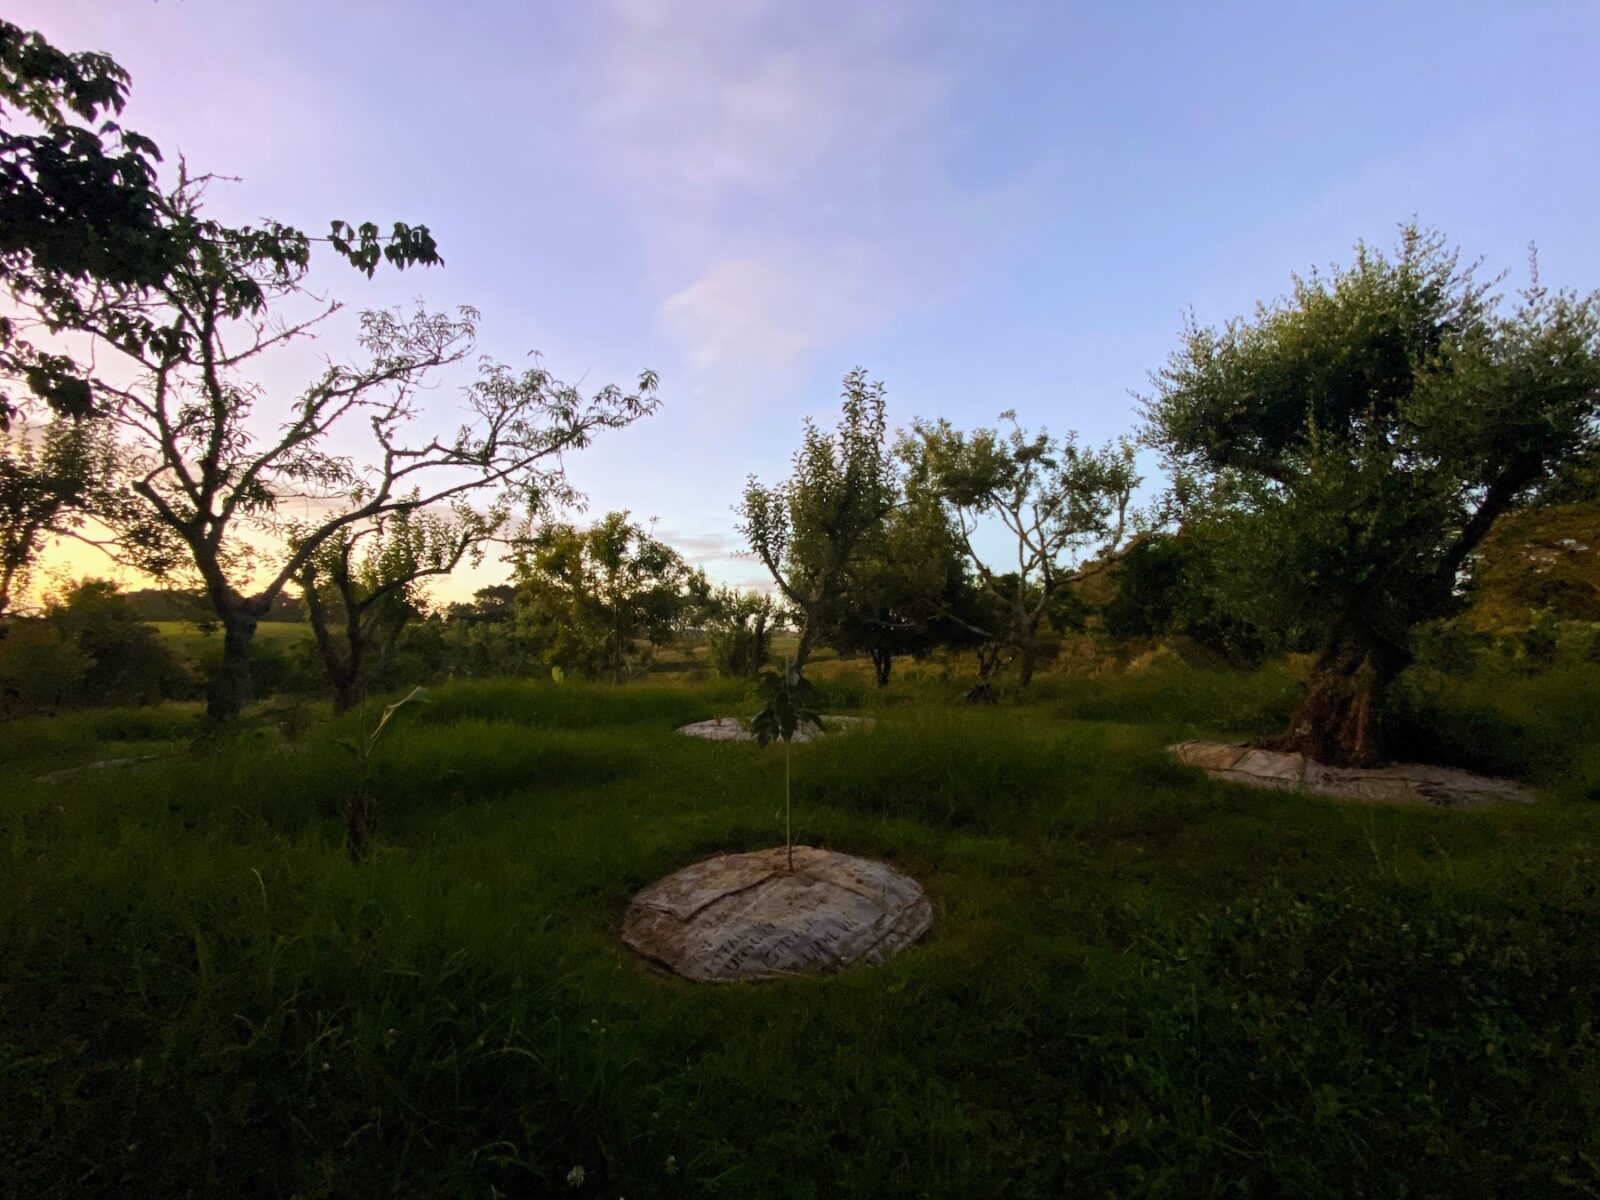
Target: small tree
[
  {"x": 1352, "y": 445},
  {"x": 492, "y": 605},
  {"x": 90, "y": 647},
  {"x": 46, "y": 483},
  {"x": 809, "y": 530},
  {"x": 589, "y": 597},
  {"x": 788, "y": 702},
  {"x": 738, "y": 629},
  {"x": 208, "y": 485},
  {"x": 363, "y": 586},
  {"x": 361, "y": 822},
  {"x": 131, "y": 664},
  {"x": 1054, "y": 500},
  {"x": 901, "y": 589}
]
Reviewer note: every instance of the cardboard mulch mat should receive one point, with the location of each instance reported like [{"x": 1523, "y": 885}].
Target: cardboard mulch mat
[
  {"x": 732, "y": 729},
  {"x": 1399, "y": 783},
  {"x": 747, "y": 916}
]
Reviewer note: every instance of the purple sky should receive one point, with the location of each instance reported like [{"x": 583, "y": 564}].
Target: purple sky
[{"x": 989, "y": 205}]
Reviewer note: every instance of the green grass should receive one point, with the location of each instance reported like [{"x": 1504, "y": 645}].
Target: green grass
[{"x": 1139, "y": 982}]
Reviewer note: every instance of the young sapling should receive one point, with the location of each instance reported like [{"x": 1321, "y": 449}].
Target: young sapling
[
  {"x": 360, "y": 821},
  {"x": 788, "y": 702}
]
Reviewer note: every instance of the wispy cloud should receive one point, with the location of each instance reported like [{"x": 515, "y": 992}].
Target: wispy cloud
[
  {"x": 761, "y": 314},
  {"x": 760, "y": 139},
  {"x": 703, "y": 97},
  {"x": 700, "y": 547}
]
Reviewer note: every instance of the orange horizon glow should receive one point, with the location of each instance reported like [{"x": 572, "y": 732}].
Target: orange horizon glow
[{"x": 65, "y": 561}]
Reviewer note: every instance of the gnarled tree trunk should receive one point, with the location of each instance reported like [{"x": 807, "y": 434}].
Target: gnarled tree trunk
[
  {"x": 1027, "y": 661},
  {"x": 1336, "y": 721}
]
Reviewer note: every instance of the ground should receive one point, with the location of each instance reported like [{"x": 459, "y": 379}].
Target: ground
[{"x": 1140, "y": 981}]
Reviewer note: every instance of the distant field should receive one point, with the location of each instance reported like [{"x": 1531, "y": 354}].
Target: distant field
[
  {"x": 1140, "y": 982},
  {"x": 188, "y": 640}
]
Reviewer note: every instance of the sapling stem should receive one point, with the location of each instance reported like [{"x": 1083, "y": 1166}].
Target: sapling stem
[{"x": 787, "y": 706}]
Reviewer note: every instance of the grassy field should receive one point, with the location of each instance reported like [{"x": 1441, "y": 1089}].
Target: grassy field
[
  {"x": 1139, "y": 983},
  {"x": 190, "y": 642}
]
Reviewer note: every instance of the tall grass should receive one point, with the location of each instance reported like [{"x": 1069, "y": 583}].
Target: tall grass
[{"x": 1140, "y": 982}]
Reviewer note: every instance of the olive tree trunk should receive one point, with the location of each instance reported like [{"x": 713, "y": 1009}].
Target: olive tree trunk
[
  {"x": 1027, "y": 662},
  {"x": 882, "y": 663},
  {"x": 1336, "y": 720}
]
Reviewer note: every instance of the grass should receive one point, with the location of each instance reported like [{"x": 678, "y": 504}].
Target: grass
[{"x": 1139, "y": 983}]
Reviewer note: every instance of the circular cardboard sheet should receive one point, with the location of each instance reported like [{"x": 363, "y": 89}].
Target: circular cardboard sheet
[
  {"x": 1399, "y": 783},
  {"x": 746, "y": 916},
  {"x": 732, "y": 729}
]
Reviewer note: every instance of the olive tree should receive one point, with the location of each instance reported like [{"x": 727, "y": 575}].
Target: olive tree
[
  {"x": 1353, "y": 443},
  {"x": 810, "y": 529},
  {"x": 1054, "y": 503}
]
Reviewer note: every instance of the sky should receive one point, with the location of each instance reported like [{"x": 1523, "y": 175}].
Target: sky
[{"x": 989, "y": 205}]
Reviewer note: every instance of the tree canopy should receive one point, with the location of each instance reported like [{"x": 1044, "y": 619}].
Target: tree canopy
[
  {"x": 364, "y": 585},
  {"x": 906, "y": 591},
  {"x": 599, "y": 599},
  {"x": 1054, "y": 500},
  {"x": 87, "y": 228},
  {"x": 212, "y": 458}
]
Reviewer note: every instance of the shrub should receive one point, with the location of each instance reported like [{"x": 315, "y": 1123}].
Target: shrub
[
  {"x": 1539, "y": 640},
  {"x": 38, "y": 667},
  {"x": 735, "y": 651},
  {"x": 1446, "y": 647},
  {"x": 90, "y": 648}
]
